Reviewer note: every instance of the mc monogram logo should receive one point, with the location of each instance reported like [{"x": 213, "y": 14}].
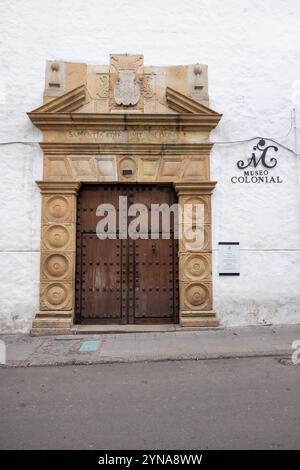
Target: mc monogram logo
[{"x": 254, "y": 160}]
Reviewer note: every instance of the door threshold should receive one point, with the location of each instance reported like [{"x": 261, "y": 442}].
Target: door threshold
[
  {"x": 93, "y": 329},
  {"x": 110, "y": 329}
]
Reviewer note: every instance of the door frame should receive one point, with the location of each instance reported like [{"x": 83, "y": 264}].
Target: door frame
[{"x": 57, "y": 289}]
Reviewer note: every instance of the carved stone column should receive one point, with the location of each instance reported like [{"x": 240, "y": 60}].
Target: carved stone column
[
  {"x": 57, "y": 263},
  {"x": 195, "y": 272}
]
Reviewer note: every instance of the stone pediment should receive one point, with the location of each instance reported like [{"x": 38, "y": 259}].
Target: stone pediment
[
  {"x": 69, "y": 110},
  {"x": 67, "y": 103},
  {"x": 125, "y": 95}
]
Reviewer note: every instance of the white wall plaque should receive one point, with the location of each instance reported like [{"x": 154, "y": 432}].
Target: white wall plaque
[{"x": 229, "y": 258}]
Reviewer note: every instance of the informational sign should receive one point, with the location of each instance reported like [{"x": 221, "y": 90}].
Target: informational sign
[{"x": 229, "y": 258}]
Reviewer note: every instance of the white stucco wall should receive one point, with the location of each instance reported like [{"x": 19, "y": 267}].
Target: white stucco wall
[{"x": 252, "y": 51}]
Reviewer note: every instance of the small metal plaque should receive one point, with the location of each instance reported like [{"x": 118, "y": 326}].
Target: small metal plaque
[
  {"x": 88, "y": 346},
  {"x": 127, "y": 172},
  {"x": 229, "y": 258}
]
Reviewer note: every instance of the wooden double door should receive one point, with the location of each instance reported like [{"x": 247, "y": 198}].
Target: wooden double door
[{"x": 124, "y": 280}]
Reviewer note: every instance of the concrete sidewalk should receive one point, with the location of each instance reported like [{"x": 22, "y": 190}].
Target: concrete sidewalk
[{"x": 24, "y": 350}]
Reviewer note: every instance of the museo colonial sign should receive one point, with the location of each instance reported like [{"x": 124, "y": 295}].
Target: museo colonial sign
[{"x": 261, "y": 164}]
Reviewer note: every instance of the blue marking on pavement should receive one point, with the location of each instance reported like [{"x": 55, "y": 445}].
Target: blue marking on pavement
[{"x": 90, "y": 345}]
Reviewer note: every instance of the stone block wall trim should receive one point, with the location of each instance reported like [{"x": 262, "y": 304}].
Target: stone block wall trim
[{"x": 134, "y": 168}]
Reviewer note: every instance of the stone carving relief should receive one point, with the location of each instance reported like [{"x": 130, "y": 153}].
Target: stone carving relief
[
  {"x": 195, "y": 267},
  {"x": 198, "y": 83},
  {"x": 148, "y": 86},
  {"x": 55, "y": 78},
  {"x": 126, "y": 72},
  {"x": 126, "y": 62},
  {"x": 195, "y": 258},
  {"x": 198, "y": 200},
  {"x": 56, "y": 266},
  {"x": 127, "y": 90},
  {"x": 57, "y": 237},
  {"x": 196, "y": 296},
  {"x": 58, "y": 208},
  {"x": 195, "y": 238},
  {"x": 102, "y": 86},
  {"x": 56, "y": 296},
  {"x": 57, "y": 253}
]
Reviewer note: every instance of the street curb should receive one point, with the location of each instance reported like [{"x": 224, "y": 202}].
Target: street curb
[{"x": 146, "y": 359}]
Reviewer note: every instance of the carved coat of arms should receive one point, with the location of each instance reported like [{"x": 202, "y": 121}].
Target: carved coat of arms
[{"x": 127, "y": 90}]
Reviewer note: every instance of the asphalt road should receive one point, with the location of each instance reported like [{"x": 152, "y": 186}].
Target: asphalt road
[{"x": 215, "y": 404}]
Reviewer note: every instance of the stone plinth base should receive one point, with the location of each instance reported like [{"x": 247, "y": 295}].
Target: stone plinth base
[
  {"x": 198, "y": 320},
  {"x": 46, "y": 323}
]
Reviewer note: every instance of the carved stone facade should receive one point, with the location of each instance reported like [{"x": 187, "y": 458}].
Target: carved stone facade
[
  {"x": 123, "y": 123},
  {"x": 195, "y": 267},
  {"x": 57, "y": 265}
]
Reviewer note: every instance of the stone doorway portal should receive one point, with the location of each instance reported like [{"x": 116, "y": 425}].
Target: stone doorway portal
[{"x": 123, "y": 124}]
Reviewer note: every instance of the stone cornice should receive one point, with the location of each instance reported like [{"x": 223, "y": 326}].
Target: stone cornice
[
  {"x": 58, "y": 187},
  {"x": 126, "y": 148},
  {"x": 124, "y": 121},
  {"x": 189, "y": 189}
]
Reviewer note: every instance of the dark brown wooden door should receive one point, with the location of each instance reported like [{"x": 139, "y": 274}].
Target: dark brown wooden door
[{"x": 125, "y": 280}]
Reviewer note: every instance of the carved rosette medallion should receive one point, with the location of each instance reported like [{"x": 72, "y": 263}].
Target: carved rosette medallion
[
  {"x": 57, "y": 207},
  {"x": 56, "y": 266},
  {"x": 195, "y": 267},
  {"x": 196, "y": 296},
  {"x": 56, "y": 296},
  {"x": 57, "y": 237}
]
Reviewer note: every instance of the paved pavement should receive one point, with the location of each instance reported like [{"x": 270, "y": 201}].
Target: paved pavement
[
  {"x": 24, "y": 350},
  {"x": 250, "y": 403}
]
